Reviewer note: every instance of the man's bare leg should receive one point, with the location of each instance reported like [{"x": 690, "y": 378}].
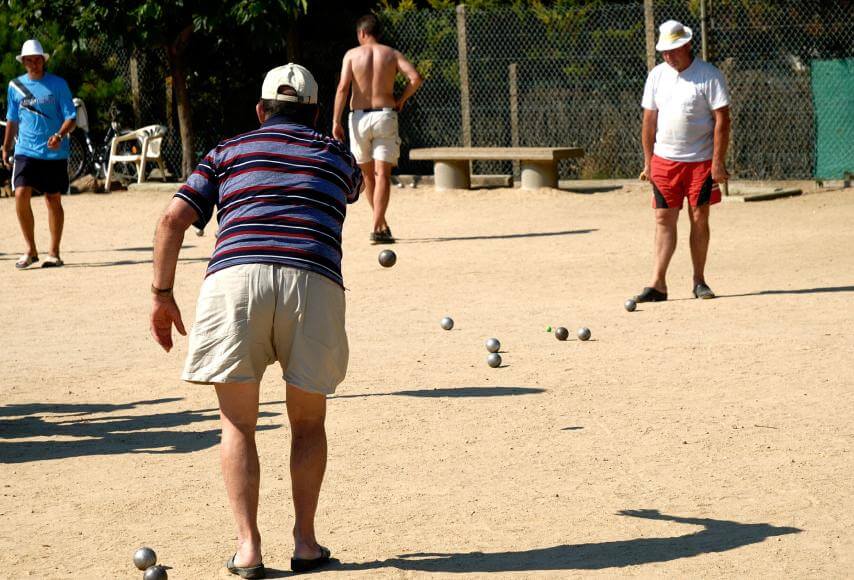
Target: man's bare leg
[
  {"x": 238, "y": 404},
  {"x": 370, "y": 182},
  {"x": 382, "y": 191},
  {"x": 56, "y": 220},
  {"x": 700, "y": 236},
  {"x": 26, "y": 220},
  {"x": 665, "y": 245},
  {"x": 307, "y": 414}
]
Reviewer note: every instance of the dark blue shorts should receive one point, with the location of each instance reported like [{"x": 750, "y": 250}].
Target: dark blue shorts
[{"x": 43, "y": 175}]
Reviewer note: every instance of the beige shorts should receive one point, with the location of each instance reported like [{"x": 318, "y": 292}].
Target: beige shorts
[
  {"x": 250, "y": 316},
  {"x": 373, "y": 135}
]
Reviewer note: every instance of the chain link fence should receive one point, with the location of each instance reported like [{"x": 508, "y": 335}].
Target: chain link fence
[{"x": 551, "y": 77}]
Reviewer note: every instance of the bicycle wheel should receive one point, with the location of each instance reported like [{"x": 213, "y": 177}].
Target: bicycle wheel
[{"x": 77, "y": 158}]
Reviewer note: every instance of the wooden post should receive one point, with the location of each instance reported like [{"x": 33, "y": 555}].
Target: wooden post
[
  {"x": 514, "y": 111},
  {"x": 134, "y": 90},
  {"x": 704, "y": 44},
  {"x": 649, "y": 24},
  {"x": 465, "y": 95}
]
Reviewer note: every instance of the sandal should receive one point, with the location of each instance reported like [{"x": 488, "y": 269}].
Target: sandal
[
  {"x": 256, "y": 571},
  {"x": 382, "y": 237},
  {"x": 52, "y": 262},
  {"x": 26, "y": 261},
  {"x": 308, "y": 564},
  {"x": 701, "y": 290},
  {"x": 651, "y": 295}
]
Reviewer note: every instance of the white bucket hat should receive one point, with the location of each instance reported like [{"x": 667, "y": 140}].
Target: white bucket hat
[
  {"x": 292, "y": 75},
  {"x": 672, "y": 34},
  {"x": 32, "y": 47}
]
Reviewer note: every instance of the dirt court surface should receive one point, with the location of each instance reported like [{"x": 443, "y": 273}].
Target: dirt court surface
[{"x": 687, "y": 439}]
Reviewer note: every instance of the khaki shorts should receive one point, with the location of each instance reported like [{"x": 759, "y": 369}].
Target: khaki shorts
[
  {"x": 373, "y": 135},
  {"x": 250, "y": 316}
]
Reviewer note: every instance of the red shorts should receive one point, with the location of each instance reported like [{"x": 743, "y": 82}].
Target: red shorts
[{"x": 673, "y": 181}]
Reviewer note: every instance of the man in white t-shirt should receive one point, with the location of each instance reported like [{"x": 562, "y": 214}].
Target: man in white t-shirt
[{"x": 685, "y": 134}]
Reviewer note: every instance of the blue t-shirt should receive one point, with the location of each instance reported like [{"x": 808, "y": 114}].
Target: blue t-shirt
[{"x": 41, "y": 115}]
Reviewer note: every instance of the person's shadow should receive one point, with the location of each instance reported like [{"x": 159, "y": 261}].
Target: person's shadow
[{"x": 716, "y": 536}]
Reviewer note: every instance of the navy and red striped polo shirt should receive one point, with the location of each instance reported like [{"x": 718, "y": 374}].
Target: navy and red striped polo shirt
[{"x": 281, "y": 194}]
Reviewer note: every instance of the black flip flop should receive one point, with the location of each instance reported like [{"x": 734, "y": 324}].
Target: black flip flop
[
  {"x": 702, "y": 291},
  {"x": 307, "y": 565},
  {"x": 256, "y": 571},
  {"x": 651, "y": 295}
]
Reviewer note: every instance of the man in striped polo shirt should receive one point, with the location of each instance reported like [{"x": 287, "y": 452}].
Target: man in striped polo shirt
[{"x": 273, "y": 292}]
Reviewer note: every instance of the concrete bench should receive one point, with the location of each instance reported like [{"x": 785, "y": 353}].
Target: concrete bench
[{"x": 451, "y": 164}]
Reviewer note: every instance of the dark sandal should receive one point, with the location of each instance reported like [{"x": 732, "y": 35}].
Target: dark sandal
[
  {"x": 307, "y": 565},
  {"x": 701, "y": 290},
  {"x": 382, "y": 237},
  {"x": 651, "y": 295},
  {"x": 256, "y": 571}
]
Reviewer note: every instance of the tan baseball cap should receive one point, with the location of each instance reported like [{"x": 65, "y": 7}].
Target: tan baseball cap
[{"x": 295, "y": 76}]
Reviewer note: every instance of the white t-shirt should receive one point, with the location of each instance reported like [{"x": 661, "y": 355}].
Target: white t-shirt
[{"x": 685, "y": 102}]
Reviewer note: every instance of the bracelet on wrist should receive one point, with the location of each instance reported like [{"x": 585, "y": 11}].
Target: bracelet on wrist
[{"x": 162, "y": 292}]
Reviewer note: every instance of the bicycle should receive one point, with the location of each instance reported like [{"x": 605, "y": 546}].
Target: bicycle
[{"x": 85, "y": 157}]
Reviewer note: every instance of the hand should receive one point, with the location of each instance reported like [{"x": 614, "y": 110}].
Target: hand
[
  {"x": 647, "y": 170},
  {"x": 165, "y": 313},
  {"x": 4, "y": 158},
  {"x": 719, "y": 173},
  {"x": 338, "y": 132},
  {"x": 398, "y": 105},
  {"x": 54, "y": 141}
]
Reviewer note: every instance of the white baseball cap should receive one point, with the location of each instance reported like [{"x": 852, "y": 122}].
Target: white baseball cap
[
  {"x": 32, "y": 47},
  {"x": 295, "y": 76},
  {"x": 672, "y": 34}
]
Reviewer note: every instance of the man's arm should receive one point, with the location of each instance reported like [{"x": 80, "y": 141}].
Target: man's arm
[
  {"x": 721, "y": 143},
  {"x": 415, "y": 79},
  {"x": 167, "y": 243},
  {"x": 341, "y": 95},
  {"x": 650, "y": 124},
  {"x": 67, "y": 127},
  {"x": 8, "y": 140}
]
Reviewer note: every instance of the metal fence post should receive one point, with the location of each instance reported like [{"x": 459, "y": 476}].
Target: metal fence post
[
  {"x": 704, "y": 32},
  {"x": 465, "y": 95},
  {"x": 513, "y": 81},
  {"x": 649, "y": 24}
]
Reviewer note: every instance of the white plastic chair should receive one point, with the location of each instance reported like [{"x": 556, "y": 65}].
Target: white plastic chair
[{"x": 149, "y": 139}]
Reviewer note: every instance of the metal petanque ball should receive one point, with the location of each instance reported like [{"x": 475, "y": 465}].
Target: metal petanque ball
[
  {"x": 493, "y": 345},
  {"x": 387, "y": 258},
  {"x": 583, "y": 333},
  {"x": 447, "y": 323},
  {"x": 561, "y": 333},
  {"x": 144, "y": 558},
  {"x": 494, "y": 360},
  {"x": 630, "y": 305},
  {"x": 155, "y": 573}
]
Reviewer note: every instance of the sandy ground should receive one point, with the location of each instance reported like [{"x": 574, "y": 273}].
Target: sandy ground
[{"x": 687, "y": 439}]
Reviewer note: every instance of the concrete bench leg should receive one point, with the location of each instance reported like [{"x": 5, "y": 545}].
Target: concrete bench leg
[
  {"x": 536, "y": 174},
  {"x": 452, "y": 174}
]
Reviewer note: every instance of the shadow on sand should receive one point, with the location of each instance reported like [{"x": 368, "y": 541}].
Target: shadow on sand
[
  {"x": 79, "y": 430},
  {"x": 493, "y": 237},
  {"x": 452, "y": 392},
  {"x": 716, "y": 536},
  {"x": 824, "y": 290}
]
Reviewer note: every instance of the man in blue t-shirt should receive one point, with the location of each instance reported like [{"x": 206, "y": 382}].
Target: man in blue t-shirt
[{"x": 40, "y": 114}]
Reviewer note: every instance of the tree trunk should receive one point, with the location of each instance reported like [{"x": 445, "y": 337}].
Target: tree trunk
[
  {"x": 293, "y": 40},
  {"x": 177, "y": 52}
]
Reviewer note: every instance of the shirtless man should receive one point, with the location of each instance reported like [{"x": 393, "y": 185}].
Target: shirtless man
[{"x": 370, "y": 70}]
